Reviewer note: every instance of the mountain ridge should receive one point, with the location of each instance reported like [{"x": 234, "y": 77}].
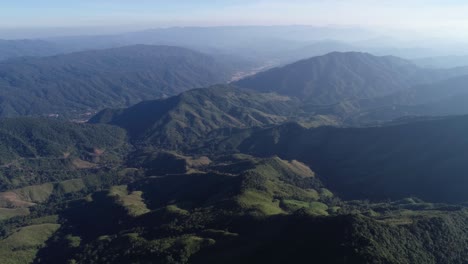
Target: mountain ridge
[
  {"x": 190, "y": 116},
  {"x": 76, "y": 83},
  {"x": 339, "y": 76}
]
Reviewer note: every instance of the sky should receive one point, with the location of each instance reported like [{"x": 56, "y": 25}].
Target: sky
[{"x": 431, "y": 16}]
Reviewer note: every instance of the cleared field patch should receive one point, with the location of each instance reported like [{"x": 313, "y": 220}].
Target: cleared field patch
[
  {"x": 299, "y": 168},
  {"x": 259, "y": 202},
  {"x": 132, "y": 202},
  {"x": 22, "y": 245},
  {"x": 13, "y": 200},
  {"x": 81, "y": 164},
  {"x": 35, "y": 193},
  {"x": 314, "y": 208},
  {"x": 6, "y": 213},
  {"x": 71, "y": 186}
]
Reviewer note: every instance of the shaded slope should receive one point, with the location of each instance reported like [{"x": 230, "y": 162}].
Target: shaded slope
[
  {"x": 247, "y": 185},
  {"x": 447, "y": 97},
  {"x": 184, "y": 209},
  {"x": 344, "y": 239},
  {"x": 243, "y": 217},
  {"x": 426, "y": 159}
]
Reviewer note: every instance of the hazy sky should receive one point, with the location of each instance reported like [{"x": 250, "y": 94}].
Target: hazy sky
[{"x": 443, "y": 16}]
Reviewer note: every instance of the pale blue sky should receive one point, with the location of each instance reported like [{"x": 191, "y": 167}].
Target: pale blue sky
[{"x": 424, "y": 15}]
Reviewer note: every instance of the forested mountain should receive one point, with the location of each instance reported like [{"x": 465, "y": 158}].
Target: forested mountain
[
  {"x": 201, "y": 209},
  {"x": 422, "y": 158},
  {"x": 360, "y": 89},
  {"x": 73, "y": 84},
  {"x": 207, "y": 141},
  {"x": 447, "y": 97},
  {"x": 87, "y": 193},
  {"x": 223, "y": 119},
  {"x": 248, "y": 210},
  {"x": 335, "y": 77},
  {"x": 37, "y": 151},
  {"x": 189, "y": 117},
  {"x": 46, "y": 138},
  {"x": 265, "y": 170}
]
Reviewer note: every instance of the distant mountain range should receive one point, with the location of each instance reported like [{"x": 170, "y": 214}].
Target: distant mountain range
[
  {"x": 354, "y": 87},
  {"x": 443, "y": 98},
  {"x": 335, "y": 77},
  {"x": 24, "y": 48},
  {"x": 442, "y": 61},
  {"x": 257, "y": 44},
  {"x": 73, "y": 84}
]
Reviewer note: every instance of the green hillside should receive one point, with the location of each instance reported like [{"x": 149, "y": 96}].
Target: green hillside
[
  {"x": 186, "y": 119},
  {"x": 36, "y": 151},
  {"x": 83, "y": 194},
  {"x": 246, "y": 209},
  {"x": 49, "y": 138}
]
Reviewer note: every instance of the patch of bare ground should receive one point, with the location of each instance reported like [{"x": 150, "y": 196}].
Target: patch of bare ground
[
  {"x": 98, "y": 152},
  {"x": 13, "y": 200},
  {"x": 198, "y": 162},
  {"x": 82, "y": 164}
]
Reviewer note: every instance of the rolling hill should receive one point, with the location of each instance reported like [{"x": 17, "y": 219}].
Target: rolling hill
[
  {"x": 74, "y": 84},
  {"x": 442, "y": 61}
]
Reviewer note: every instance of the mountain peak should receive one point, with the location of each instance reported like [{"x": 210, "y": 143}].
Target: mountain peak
[{"x": 339, "y": 76}]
